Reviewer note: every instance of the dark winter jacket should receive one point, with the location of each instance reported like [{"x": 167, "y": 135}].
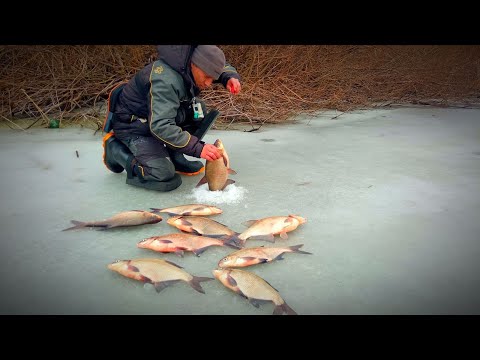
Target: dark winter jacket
[{"x": 158, "y": 100}]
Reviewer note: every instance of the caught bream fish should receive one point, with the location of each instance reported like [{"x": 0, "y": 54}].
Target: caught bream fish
[
  {"x": 216, "y": 171},
  {"x": 200, "y": 225},
  {"x": 258, "y": 255},
  {"x": 178, "y": 243},
  {"x": 191, "y": 209},
  {"x": 126, "y": 218},
  {"x": 158, "y": 272},
  {"x": 254, "y": 288},
  {"x": 266, "y": 228}
]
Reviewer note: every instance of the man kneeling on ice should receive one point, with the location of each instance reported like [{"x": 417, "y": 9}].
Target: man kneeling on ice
[{"x": 155, "y": 119}]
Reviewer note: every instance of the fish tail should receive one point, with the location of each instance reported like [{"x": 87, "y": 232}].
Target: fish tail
[
  {"x": 196, "y": 280},
  {"x": 234, "y": 241},
  {"x": 200, "y": 250},
  {"x": 78, "y": 225},
  {"x": 284, "y": 308},
  {"x": 295, "y": 248}
]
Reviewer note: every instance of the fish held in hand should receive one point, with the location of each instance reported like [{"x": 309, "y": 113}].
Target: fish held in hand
[
  {"x": 126, "y": 218},
  {"x": 254, "y": 288},
  {"x": 190, "y": 209},
  {"x": 258, "y": 255},
  {"x": 178, "y": 243},
  {"x": 216, "y": 171},
  {"x": 158, "y": 272}
]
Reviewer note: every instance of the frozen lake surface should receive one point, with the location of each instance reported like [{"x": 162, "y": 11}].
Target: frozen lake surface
[{"x": 391, "y": 198}]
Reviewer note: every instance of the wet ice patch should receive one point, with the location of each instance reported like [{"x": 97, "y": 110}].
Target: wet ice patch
[{"x": 230, "y": 195}]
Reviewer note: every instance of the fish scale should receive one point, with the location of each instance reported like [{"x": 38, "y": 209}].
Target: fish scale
[
  {"x": 257, "y": 255},
  {"x": 254, "y": 288}
]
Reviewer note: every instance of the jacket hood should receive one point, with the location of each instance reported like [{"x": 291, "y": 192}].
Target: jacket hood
[{"x": 178, "y": 57}]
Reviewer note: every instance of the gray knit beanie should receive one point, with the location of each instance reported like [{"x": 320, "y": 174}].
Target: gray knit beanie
[{"x": 210, "y": 59}]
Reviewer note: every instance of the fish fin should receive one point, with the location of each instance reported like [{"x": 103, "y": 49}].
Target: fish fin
[
  {"x": 268, "y": 237},
  {"x": 201, "y": 250},
  {"x": 165, "y": 241},
  {"x": 195, "y": 283},
  {"x": 180, "y": 253},
  {"x": 254, "y": 302},
  {"x": 251, "y": 258},
  {"x": 228, "y": 182},
  {"x": 103, "y": 227},
  {"x": 225, "y": 160},
  {"x": 257, "y": 302},
  {"x": 133, "y": 268},
  {"x": 155, "y": 210},
  {"x": 138, "y": 210},
  {"x": 199, "y": 208},
  {"x": 295, "y": 248},
  {"x": 202, "y": 181},
  {"x": 232, "y": 281},
  {"x": 78, "y": 225},
  {"x": 231, "y": 171},
  {"x": 249, "y": 223},
  {"x": 185, "y": 222},
  {"x": 159, "y": 286},
  {"x": 172, "y": 263},
  {"x": 279, "y": 257},
  {"x": 232, "y": 240},
  {"x": 284, "y": 235},
  {"x": 239, "y": 292},
  {"x": 284, "y": 308},
  {"x": 217, "y": 236},
  {"x": 145, "y": 279}
]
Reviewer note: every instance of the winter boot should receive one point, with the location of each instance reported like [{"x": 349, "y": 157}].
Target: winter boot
[
  {"x": 187, "y": 167},
  {"x": 115, "y": 153},
  {"x": 117, "y": 157}
]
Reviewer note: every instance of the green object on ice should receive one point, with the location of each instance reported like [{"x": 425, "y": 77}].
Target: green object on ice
[{"x": 54, "y": 124}]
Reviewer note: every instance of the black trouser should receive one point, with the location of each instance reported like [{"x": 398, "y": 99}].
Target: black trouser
[{"x": 151, "y": 155}]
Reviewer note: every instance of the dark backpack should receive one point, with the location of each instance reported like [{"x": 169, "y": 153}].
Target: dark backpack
[{"x": 112, "y": 100}]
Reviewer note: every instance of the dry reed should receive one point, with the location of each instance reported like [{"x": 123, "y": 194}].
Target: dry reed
[{"x": 279, "y": 81}]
